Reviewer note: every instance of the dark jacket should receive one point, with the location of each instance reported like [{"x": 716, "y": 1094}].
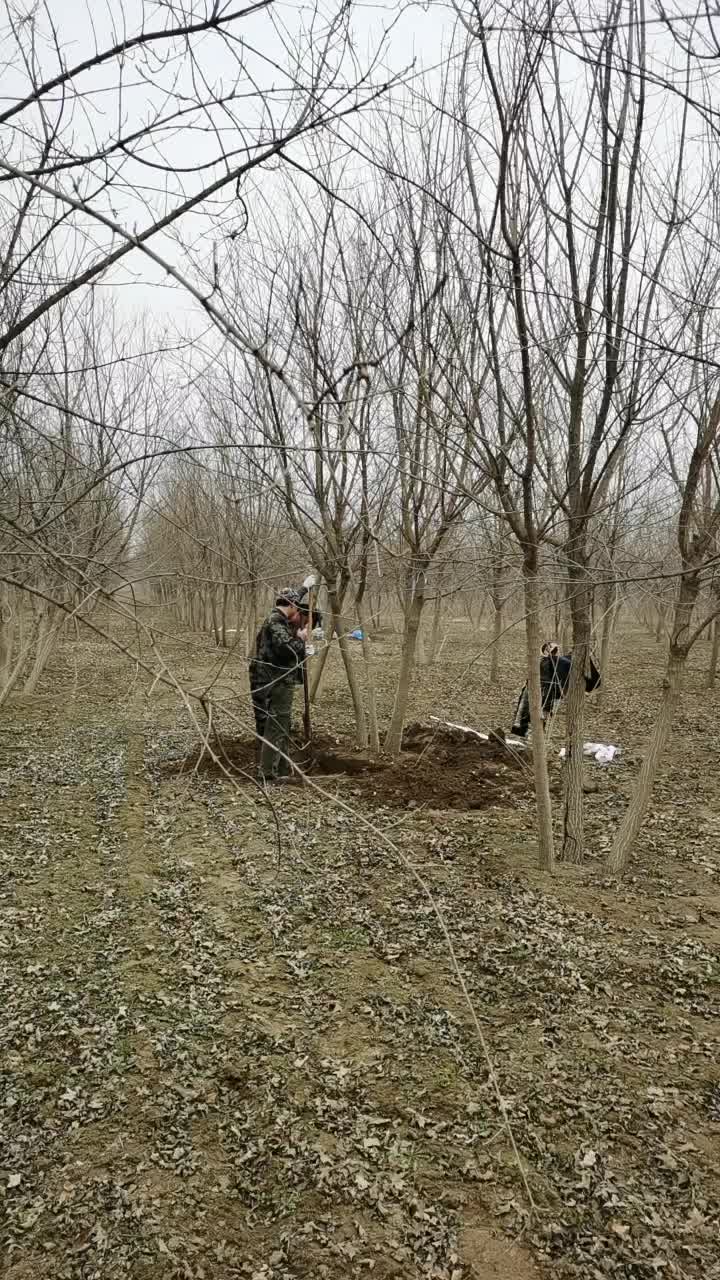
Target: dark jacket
[
  {"x": 555, "y": 678},
  {"x": 554, "y": 681},
  {"x": 279, "y": 654}
]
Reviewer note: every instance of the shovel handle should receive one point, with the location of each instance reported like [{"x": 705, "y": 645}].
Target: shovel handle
[{"x": 307, "y": 721}]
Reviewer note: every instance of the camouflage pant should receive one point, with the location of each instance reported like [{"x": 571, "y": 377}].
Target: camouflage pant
[
  {"x": 260, "y": 710},
  {"x": 273, "y": 716}
]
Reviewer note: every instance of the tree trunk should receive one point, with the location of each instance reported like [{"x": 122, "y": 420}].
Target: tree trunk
[
  {"x": 573, "y": 847},
  {"x": 714, "y": 653},
  {"x": 565, "y": 629},
  {"x": 373, "y": 728},
  {"x": 609, "y": 624},
  {"x": 498, "y": 601},
  {"x": 660, "y": 624},
  {"x": 361, "y": 732},
  {"x": 223, "y": 615},
  {"x": 13, "y": 674},
  {"x": 432, "y": 654},
  {"x": 45, "y": 642},
  {"x": 558, "y": 617},
  {"x": 319, "y": 666},
  {"x": 23, "y": 648},
  {"x": 413, "y": 616},
  {"x": 251, "y": 613},
  {"x": 420, "y": 649},
  {"x": 631, "y": 824},
  {"x": 546, "y": 852},
  {"x": 647, "y": 621},
  {"x": 7, "y": 635},
  {"x": 376, "y": 612},
  {"x": 212, "y": 593}
]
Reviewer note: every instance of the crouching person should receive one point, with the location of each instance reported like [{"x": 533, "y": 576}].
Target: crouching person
[
  {"x": 554, "y": 680},
  {"x": 275, "y": 670}
]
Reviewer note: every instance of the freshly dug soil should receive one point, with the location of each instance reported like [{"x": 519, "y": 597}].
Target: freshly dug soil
[
  {"x": 443, "y": 768},
  {"x": 440, "y": 768}
]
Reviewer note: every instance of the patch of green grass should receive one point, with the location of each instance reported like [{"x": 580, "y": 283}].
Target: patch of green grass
[{"x": 348, "y": 937}]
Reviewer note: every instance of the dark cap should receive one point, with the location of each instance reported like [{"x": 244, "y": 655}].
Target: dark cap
[{"x": 289, "y": 597}]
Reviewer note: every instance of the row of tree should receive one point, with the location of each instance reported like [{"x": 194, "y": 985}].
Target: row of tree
[{"x": 471, "y": 344}]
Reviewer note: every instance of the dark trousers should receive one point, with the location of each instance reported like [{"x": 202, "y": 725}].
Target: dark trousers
[
  {"x": 521, "y": 722},
  {"x": 273, "y": 716}
]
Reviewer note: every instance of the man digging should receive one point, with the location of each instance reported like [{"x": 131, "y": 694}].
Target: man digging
[{"x": 275, "y": 671}]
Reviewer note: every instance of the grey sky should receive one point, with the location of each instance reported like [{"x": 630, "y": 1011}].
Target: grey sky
[
  {"x": 138, "y": 194},
  {"x": 421, "y": 34}
]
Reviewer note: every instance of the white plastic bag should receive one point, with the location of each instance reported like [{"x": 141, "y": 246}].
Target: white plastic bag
[{"x": 601, "y": 752}]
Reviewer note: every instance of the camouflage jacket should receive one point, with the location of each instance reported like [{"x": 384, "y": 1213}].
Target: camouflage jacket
[{"x": 279, "y": 654}]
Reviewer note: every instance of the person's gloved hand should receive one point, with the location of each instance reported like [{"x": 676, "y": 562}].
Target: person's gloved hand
[{"x": 318, "y": 634}]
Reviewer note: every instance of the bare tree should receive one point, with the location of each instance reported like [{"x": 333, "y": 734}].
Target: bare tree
[
  {"x": 432, "y": 410},
  {"x": 79, "y": 444},
  {"x": 301, "y": 417},
  {"x": 691, "y": 444},
  {"x": 80, "y": 199},
  {"x": 64, "y": 181},
  {"x": 585, "y": 233}
]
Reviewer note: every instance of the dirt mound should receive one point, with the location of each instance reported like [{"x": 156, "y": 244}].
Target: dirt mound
[
  {"x": 447, "y": 768},
  {"x": 440, "y": 768}
]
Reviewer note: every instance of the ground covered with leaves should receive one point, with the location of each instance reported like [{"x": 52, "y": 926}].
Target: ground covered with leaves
[{"x": 233, "y": 1039}]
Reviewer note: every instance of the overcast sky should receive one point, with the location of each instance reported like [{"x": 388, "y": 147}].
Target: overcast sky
[
  {"x": 420, "y": 38},
  {"x": 420, "y": 34}
]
